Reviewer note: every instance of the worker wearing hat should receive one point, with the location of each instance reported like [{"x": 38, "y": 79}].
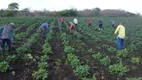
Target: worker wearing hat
[{"x": 6, "y": 32}]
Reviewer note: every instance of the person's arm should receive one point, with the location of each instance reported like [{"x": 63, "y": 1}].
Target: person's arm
[
  {"x": 13, "y": 34},
  {"x": 117, "y": 29}
]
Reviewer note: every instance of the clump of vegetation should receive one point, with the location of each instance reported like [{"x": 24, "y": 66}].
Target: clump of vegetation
[
  {"x": 4, "y": 66},
  {"x": 105, "y": 61},
  {"x": 124, "y": 53},
  {"x": 118, "y": 69},
  {"x": 140, "y": 78},
  {"x": 82, "y": 71},
  {"x": 97, "y": 56},
  {"x": 135, "y": 60},
  {"x": 40, "y": 74}
]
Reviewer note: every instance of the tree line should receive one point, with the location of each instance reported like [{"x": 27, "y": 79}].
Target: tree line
[{"x": 13, "y": 11}]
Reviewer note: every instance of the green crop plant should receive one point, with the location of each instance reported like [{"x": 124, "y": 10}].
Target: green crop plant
[
  {"x": 10, "y": 58},
  {"x": 81, "y": 71},
  {"x": 118, "y": 69},
  {"x": 47, "y": 49},
  {"x": 40, "y": 74},
  {"x": 112, "y": 50},
  {"x": 44, "y": 58},
  {"x": 139, "y": 78},
  {"x": 42, "y": 65},
  {"x": 68, "y": 49},
  {"x": 4, "y": 66},
  {"x": 97, "y": 56},
  {"x": 94, "y": 77},
  {"x": 124, "y": 53},
  {"x": 135, "y": 60},
  {"x": 105, "y": 61},
  {"x": 75, "y": 62}
]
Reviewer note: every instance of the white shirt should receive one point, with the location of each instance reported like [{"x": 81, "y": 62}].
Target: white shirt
[{"x": 75, "y": 21}]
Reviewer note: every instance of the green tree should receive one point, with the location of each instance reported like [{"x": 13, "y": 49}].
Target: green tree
[
  {"x": 96, "y": 11},
  {"x": 13, "y": 6}
]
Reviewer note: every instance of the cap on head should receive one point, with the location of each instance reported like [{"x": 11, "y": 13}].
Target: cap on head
[{"x": 11, "y": 24}]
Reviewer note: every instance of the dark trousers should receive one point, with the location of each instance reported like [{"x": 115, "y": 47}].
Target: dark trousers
[
  {"x": 113, "y": 26},
  {"x": 62, "y": 24},
  {"x": 120, "y": 43},
  {"x": 89, "y": 25},
  {"x": 8, "y": 41}
]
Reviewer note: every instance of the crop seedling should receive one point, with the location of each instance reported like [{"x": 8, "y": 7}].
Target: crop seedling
[
  {"x": 68, "y": 49},
  {"x": 135, "y": 60},
  {"x": 105, "y": 61},
  {"x": 97, "y": 56},
  {"x": 118, "y": 69},
  {"x": 124, "y": 53},
  {"x": 40, "y": 74},
  {"x": 82, "y": 71},
  {"x": 4, "y": 66}
]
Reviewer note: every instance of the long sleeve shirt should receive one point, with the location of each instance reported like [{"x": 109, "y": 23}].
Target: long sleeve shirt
[
  {"x": 45, "y": 26},
  {"x": 75, "y": 21},
  {"x": 121, "y": 31},
  {"x": 112, "y": 22},
  {"x": 90, "y": 21},
  {"x": 7, "y": 31},
  {"x": 62, "y": 19}
]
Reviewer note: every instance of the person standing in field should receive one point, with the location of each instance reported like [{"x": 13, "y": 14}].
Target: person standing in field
[
  {"x": 121, "y": 35},
  {"x": 100, "y": 25},
  {"x": 90, "y": 23},
  {"x": 112, "y": 23},
  {"x": 62, "y": 21},
  {"x": 75, "y": 21},
  {"x": 45, "y": 29},
  {"x": 5, "y": 37},
  {"x": 72, "y": 27}
]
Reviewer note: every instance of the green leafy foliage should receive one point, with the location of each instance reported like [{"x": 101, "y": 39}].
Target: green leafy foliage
[
  {"x": 97, "y": 56},
  {"x": 68, "y": 49},
  {"x": 118, "y": 69},
  {"x": 82, "y": 71},
  {"x": 135, "y": 60},
  {"x": 4, "y": 66},
  {"x": 40, "y": 74},
  {"x": 124, "y": 53},
  {"x": 11, "y": 58},
  {"x": 140, "y": 78},
  {"x": 42, "y": 65},
  {"x": 105, "y": 61}
]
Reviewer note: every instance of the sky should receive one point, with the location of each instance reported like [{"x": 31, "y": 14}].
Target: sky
[{"x": 127, "y": 5}]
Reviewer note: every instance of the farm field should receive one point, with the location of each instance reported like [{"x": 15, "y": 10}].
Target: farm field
[{"x": 86, "y": 54}]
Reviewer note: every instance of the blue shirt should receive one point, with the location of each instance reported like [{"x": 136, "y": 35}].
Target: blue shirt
[
  {"x": 112, "y": 22},
  {"x": 6, "y": 31},
  {"x": 45, "y": 26}
]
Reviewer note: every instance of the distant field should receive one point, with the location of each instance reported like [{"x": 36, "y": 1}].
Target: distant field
[{"x": 87, "y": 54}]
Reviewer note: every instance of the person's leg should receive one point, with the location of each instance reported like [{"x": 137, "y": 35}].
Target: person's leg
[
  {"x": 43, "y": 33},
  {"x": 2, "y": 45},
  {"x": 101, "y": 26},
  {"x": 9, "y": 45},
  {"x": 88, "y": 25},
  {"x": 113, "y": 26},
  {"x": 122, "y": 43},
  {"x": 119, "y": 43}
]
